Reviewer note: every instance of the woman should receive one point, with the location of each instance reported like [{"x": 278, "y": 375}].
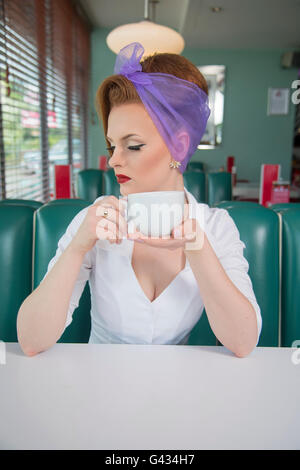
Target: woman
[{"x": 145, "y": 290}]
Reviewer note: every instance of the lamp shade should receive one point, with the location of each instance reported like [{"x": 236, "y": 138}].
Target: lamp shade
[{"x": 153, "y": 37}]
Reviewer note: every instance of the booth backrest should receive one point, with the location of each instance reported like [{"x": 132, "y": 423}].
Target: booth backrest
[
  {"x": 290, "y": 325},
  {"x": 68, "y": 201},
  {"x": 23, "y": 202},
  {"x": 195, "y": 166},
  {"x": 111, "y": 185},
  {"x": 50, "y": 223},
  {"x": 243, "y": 204},
  {"x": 29, "y": 238},
  {"x": 202, "y": 334},
  {"x": 16, "y": 221},
  {"x": 219, "y": 187},
  {"x": 284, "y": 206},
  {"x": 259, "y": 230},
  {"x": 90, "y": 184},
  {"x": 195, "y": 183}
]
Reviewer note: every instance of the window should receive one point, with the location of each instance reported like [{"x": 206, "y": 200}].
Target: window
[{"x": 44, "y": 77}]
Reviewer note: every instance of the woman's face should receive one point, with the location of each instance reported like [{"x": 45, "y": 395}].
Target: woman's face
[{"x": 143, "y": 157}]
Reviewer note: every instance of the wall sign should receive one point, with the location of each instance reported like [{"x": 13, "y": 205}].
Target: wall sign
[{"x": 278, "y": 101}]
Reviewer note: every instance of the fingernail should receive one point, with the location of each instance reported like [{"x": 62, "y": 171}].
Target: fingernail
[{"x": 177, "y": 233}]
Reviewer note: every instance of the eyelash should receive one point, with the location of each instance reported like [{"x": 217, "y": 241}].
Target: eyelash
[{"x": 135, "y": 148}]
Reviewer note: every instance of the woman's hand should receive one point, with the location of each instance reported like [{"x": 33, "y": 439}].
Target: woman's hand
[
  {"x": 96, "y": 227},
  {"x": 188, "y": 234}
]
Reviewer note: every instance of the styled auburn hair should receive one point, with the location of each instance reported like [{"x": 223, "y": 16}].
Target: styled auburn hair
[{"x": 117, "y": 89}]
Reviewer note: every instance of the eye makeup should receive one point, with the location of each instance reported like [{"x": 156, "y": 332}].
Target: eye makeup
[{"x": 133, "y": 147}]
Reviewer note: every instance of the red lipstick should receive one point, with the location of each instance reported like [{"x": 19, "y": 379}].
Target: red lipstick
[{"x": 122, "y": 178}]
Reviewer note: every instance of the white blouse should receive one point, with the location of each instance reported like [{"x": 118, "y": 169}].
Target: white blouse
[{"x": 120, "y": 310}]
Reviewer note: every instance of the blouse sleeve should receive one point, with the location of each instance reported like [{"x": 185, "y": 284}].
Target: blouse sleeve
[
  {"x": 85, "y": 268},
  {"x": 225, "y": 238}
]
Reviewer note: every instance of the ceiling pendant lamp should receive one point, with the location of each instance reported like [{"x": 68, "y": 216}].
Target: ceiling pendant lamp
[{"x": 153, "y": 37}]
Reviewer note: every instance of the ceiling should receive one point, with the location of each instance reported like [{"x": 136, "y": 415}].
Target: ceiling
[{"x": 250, "y": 24}]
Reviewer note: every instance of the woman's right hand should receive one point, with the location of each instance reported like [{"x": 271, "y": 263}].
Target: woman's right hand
[{"x": 97, "y": 227}]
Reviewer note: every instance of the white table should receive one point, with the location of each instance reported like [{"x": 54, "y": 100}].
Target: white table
[
  {"x": 251, "y": 191},
  {"x": 119, "y": 396}
]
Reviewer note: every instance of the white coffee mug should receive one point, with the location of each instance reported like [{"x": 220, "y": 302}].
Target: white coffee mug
[{"x": 155, "y": 213}]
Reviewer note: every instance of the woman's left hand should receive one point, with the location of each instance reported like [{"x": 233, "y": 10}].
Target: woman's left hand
[{"x": 188, "y": 235}]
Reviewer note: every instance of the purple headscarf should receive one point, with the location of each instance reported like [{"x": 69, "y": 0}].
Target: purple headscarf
[{"x": 174, "y": 105}]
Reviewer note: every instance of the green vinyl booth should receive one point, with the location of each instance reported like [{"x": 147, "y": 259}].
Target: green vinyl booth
[
  {"x": 50, "y": 223},
  {"x": 290, "y": 279},
  {"x": 72, "y": 201},
  {"x": 111, "y": 185},
  {"x": 195, "y": 166},
  {"x": 219, "y": 187},
  {"x": 195, "y": 183},
  {"x": 23, "y": 202},
  {"x": 93, "y": 183},
  {"x": 244, "y": 204},
  {"x": 259, "y": 230},
  {"x": 89, "y": 184},
  {"x": 16, "y": 224},
  {"x": 284, "y": 206},
  {"x": 29, "y": 238}
]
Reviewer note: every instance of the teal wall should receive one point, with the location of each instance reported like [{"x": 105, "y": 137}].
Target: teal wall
[{"x": 248, "y": 133}]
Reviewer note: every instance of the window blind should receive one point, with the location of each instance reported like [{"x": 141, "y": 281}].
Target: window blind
[{"x": 44, "y": 77}]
